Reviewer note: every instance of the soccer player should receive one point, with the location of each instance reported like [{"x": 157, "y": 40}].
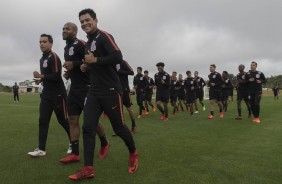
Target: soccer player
[
  {"x": 149, "y": 92},
  {"x": 74, "y": 55},
  {"x": 101, "y": 57},
  {"x": 16, "y": 92},
  {"x": 174, "y": 88},
  {"x": 199, "y": 91},
  {"x": 242, "y": 92},
  {"x": 255, "y": 79},
  {"x": 190, "y": 85},
  {"x": 181, "y": 92},
  {"x": 215, "y": 92},
  {"x": 162, "y": 81},
  {"x": 275, "y": 90},
  {"x": 53, "y": 97},
  {"x": 140, "y": 84},
  {"x": 124, "y": 70},
  {"x": 226, "y": 86}
]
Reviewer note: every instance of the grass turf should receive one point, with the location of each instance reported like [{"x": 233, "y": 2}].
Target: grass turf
[{"x": 186, "y": 149}]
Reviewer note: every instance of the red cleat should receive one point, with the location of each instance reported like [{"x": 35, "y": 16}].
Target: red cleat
[
  {"x": 133, "y": 162},
  {"x": 211, "y": 117},
  {"x": 103, "y": 151},
  {"x": 146, "y": 112},
  {"x": 105, "y": 116},
  {"x": 165, "y": 119},
  {"x": 86, "y": 172},
  {"x": 221, "y": 115},
  {"x": 154, "y": 109},
  {"x": 256, "y": 120},
  {"x": 139, "y": 116},
  {"x": 162, "y": 117},
  {"x": 70, "y": 158}
]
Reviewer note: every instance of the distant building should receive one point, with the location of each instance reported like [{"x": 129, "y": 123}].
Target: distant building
[{"x": 27, "y": 87}]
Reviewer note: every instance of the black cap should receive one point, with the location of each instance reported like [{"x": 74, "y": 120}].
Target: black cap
[{"x": 160, "y": 64}]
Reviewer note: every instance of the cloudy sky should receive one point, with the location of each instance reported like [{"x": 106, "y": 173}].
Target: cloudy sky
[{"x": 184, "y": 34}]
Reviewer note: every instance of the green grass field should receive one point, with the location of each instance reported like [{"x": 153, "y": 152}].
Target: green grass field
[{"x": 186, "y": 149}]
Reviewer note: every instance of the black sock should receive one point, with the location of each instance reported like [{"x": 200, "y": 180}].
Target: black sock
[
  {"x": 103, "y": 140},
  {"x": 220, "y": 110},
  {"x": 133, "y": 123},
  {"x": 75, "y": 147},
  {"x": 212, "y": 113},
  {"x": 239, "y": 112}
]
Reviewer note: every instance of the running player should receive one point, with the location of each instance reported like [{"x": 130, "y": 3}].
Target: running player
[
  {"x": 242, "y": 92},
  {"x": 174, "y": 88},
  {"x": 181, "y": 92},
  {"x": 275, "y": 90},
  {"x": 74, "y": 55},
  {"x": 215, "y": 83},
  {"x": 140, "y": 84},
  {"x": 255, "y": 79},
  {"x": 102, "y": 56},
  {"x": 162, "y": 81},
  {"x": 149, "y": 92},
  {"x": 226, "y": 86},
  {"x": 190, "y": 88},
  {"x": 199, "y": 91},
  {"x": 53, "y": 97}
]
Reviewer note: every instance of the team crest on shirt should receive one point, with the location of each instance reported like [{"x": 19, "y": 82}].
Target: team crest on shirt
[
  {"x": 258, "y": 76},
  {"x": 191, "y": 82},
  {"x": 118, "y": 67},
  {"x": 164, "y": 77},
  {"x": 45, "y": 64},
  {"x": 243, "y": 77},
  {"x": 226, "y": 81},
  {"x": 214, "y": 76},
  {"x": 141, "y": 78},
  {"x": 76, "y": 42},
  {"x": 93, "y": 46},
  {"x": 174, "y": 82},
  {"x": 71, "y": 51}
]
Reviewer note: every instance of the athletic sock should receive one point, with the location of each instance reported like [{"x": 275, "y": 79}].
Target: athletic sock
[
  {"x": 103, "y": 140},
  {"x": 75, "y": 147},
  {"x": 212, "y": 113},
  {"x": 239, "y": 112},
  {"x": 133, "y": 123}
]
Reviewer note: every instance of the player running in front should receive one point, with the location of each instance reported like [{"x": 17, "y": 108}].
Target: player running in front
[
  {"x": 190, "y": 85},
  {"x": 199, "y": 91}
]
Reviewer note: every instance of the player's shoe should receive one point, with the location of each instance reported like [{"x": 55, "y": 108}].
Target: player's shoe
[
  {"x": 133, "y": 129},
  {"x": 211, "y": 117},
  {"x": 86, "y": 172},
  {"x": 221, "y": 114},
  {"x": 165, "y": 119},
  {"x": 103, "y": 151},
  {"x": 70, "y": 158},
  {"x": 162, "y": 117},
  {"x": 256, "y": 120},
  {"x": 196, "y": 112},
  {"x": 154, "y": 109},
  {"x": 146, "y": 112},
  {"x": 139, "y": 116},
  {"x": 37, "y": 153},
  {"x": 105, "y": 116},
  {"x": 173, "y": 114},
  {"x": 69, "y": 149},
  {"x": 204, "y": 108},
  {"x": 239, "y": 118},
  {"x": 133, "y": 162}
]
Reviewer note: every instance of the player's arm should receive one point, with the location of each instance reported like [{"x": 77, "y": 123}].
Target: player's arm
[
  {"x": 203, "y": 82},
  {"x": 167, "y": 81},
  {"x": 80, "y": 51},
  {"x": 125, "y": 69},
  {"x": 219, "y": 80},
  {"x": 56, "y": 68},
  {"x": 262, "y": 78}
]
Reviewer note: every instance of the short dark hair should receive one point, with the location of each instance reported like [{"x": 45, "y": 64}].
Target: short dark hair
[
  {"x": 146, "y": 71},
  {"x": 160, "y": 64},
  {"x": 50, "y": 39},
  {"x": 255, "y": 63},
  {"x": 225, "y": 72},
  {"x": 139, "y": 68},
  {"x": 87, "y": 11},
  {"x": 174, "y": 72},
  {"x": 213, "y": 65},
  {"x": 188, "y": 72}
]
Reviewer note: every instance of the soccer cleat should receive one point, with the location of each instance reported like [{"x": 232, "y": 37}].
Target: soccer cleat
[
  {"x": 165, "y": 119},
  {"x": 162, "y": 117},
  {"x": 139, "y": 116},
  {"x": 239, "y": 118},
  {"x": 86, "y": 172},
  {"x": 69, "y": 149},
  {"x": 154, "y": 109},
  {"x": 173, "y": 114},
  {"x": 196, "y": 112},
  {"x": 133, "y": 162},
  {"x": 133, "y": 130},
  {"x": 204, "y": 108},
  {"x": 70, "y": 158},
  {"x": 256, "y": 120},
  {"x": 103, "y": 151},
  {"x": 37, "y": 153},
  {"x": 221, "y": 114},
  {"x": 211, "y": 117},
  {"x": 146, "y": 112}
]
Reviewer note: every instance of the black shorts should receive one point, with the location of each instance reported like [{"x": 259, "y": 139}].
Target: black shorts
[
  {"x": 242, "y": 95},
  {"x": 126, "y": 99},
  {"x": 163, "y": 97},
  {"x": 225, "y": 95},
  {"x": 231, "y": 92},
  {"x": 181, "y": 96},
  {"x": 173, "y": 97},
  {"x": 215, "y": 94},
  {"x": 190, "y": 98},
  {"x": 148, "y": 96},
  {"x": 75, "y": 101},
  {"x": 200, "y": 94}
]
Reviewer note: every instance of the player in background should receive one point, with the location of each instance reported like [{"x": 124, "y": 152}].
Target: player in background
[
  {"x": 226, "y": 86},
  {"x": 190, "y": 85},
  {"x": 275, "y": 90},
  {"x": 16, "y": 92},
  {"x": 173, "y": 93},
  {"x": 149, "y": 92},
  {"x": 199, "y": 91},
  {"x": 181, "y": 93}
]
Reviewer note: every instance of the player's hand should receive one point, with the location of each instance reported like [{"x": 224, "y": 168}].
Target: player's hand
[
  {"x": 83, "y": 67},
  {"x": 66, "y": 75},
  {"x": 259, "y": 81},
  {"x": 212, "y": 84},
  {"x": 37, "y": 75},
  {"x": 251, "y": 79},
  {"x": 90, "y": 58},
  {"x": 68, "y": 65},
  {"x": 37, "y": 81},
  {"x": 162, "y": 81}
]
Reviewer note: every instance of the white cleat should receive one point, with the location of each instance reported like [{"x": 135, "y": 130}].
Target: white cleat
[
  {"x": 196, "y": 112},
  {"x": 69, "y": 149},
  {"x": 37, "y": 153},
  {"x": 204, "y": 108}
]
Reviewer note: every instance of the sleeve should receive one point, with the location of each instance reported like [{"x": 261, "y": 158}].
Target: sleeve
[
  {"x": 263, "y": 79},
  {"x": 125, "y": 69},
  {"x": 203, "y": 82},
  {"x": 134, "y": 81},
  {"x": 80, "y": 52},
  {"x": 56, "y": 68},
  {"x": 114, "y": 55},
  {"x": 152, "y": 82},
  {"x": 219, "y": 80},
  {"x": 167, "y": 82}
]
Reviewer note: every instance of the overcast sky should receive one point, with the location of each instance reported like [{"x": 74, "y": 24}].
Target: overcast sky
[{"x": 184, "y": 34}]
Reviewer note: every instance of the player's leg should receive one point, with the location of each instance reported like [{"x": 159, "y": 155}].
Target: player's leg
[
  {"x": 212, "y": 101},
  {"x": 256, "y": 112},
  {"x": 105, "y": 145},
  {"x": 127, "y": 103}
]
